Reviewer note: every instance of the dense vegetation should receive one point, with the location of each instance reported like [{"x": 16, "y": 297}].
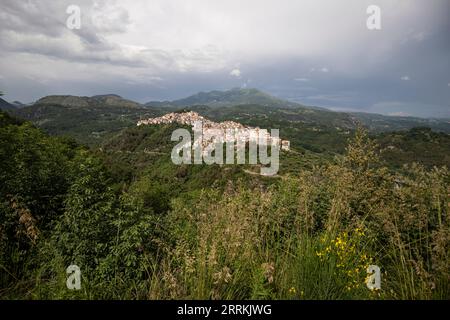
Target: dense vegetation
[
  {"x": 229, "y": 98},
  {"x": 140, "y": 227},
  {"x": 92, "y": 120},
  {"x": 88, "y": 125},
  {"x": 418, "y": 144}
]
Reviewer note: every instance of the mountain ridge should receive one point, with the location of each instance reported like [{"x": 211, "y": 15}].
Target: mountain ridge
[
  {"x": 232, "y": 97},
  {"x": 6, "y": 106},
  {"x": 83, "y": 101},
  {"x": 90, "y": 119}
]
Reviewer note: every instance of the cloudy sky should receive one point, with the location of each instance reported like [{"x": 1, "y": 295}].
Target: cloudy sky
[{"x": 317, "y": 52}]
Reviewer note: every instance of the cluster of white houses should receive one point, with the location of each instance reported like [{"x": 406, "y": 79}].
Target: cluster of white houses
[{"x": 228, "y": 131}]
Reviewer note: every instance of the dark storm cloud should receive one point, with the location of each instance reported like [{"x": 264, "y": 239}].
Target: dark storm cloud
[{"x": 313, "y": 52}]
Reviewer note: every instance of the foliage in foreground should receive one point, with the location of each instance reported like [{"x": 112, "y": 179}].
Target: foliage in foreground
[
  {"x": 310, "y": 236},
  {"x": 313, "y": 236}
]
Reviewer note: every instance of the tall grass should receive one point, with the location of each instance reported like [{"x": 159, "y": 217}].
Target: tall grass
[{"x": 312, "y": 236}]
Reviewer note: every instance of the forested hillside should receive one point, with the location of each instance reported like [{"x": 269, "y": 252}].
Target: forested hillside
[
  {"x": 140, "y": 227},
  {"x": 92, "y": 120}
]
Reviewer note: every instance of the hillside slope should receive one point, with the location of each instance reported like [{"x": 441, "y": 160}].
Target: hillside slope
[
  {"x": 6, "y": 106},
  {"x": 87, "y": 119},
  {"x": 246, "y": 97},
  {"x": 92, "y": 119},
  {"x": 228, "y": 98}
]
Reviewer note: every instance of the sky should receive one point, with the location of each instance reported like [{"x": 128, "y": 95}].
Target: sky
[{"x": 315, "y": 52}]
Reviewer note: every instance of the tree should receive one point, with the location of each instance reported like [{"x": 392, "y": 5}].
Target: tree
[
  {"x": 84, "y": 231},
  {"x": 33, "y": 184}
]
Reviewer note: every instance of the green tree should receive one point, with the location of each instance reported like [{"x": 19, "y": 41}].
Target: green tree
[
  {"x": 107, "y": 236},
  {"x": 83, "y": 233},
  {"x": 33, "y": 183}
]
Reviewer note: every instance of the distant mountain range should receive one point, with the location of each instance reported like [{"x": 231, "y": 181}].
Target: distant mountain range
[
  {"x": 89, "y": 119},
  {"x": 241, "y": 101},
  {"x": 110, "y": 100},
  {"x": 10, "y": 106},
  {"x": 229, "y": 98},
  {"x": 19, "y": 104},
  {"x": 6, "y": 106}
]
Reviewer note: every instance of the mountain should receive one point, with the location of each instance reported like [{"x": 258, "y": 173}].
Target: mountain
[
  {"x": 18, "y": 104},
  {"x": 253, "y": 100},
  {"x": 6, "y": 106},
  {"x": 110, "y": 100},
  {"x": 87, "y": 119},
  {"x": 233, "y": 97},
  {"x": 91, "y": 119},
  {"x": 113, "y": 100}
]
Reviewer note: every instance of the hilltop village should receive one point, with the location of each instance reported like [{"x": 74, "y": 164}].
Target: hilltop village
[{"x": 246, "y": 133}]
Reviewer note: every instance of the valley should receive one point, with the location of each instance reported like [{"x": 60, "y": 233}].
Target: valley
[
  {"x": 93, "y": 121},
  {"x": 97, "y": 171}
]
